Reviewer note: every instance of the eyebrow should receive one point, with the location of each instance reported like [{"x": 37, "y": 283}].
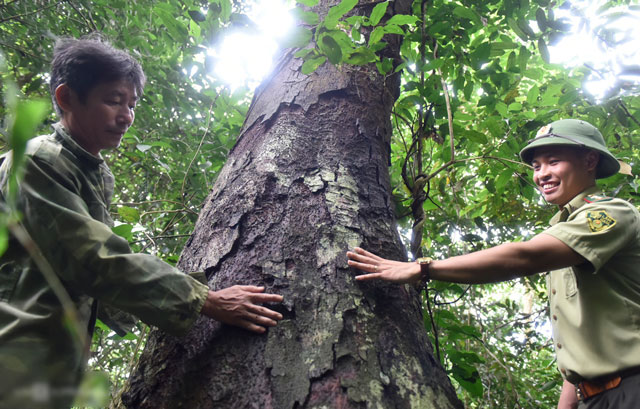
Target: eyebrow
[{"x": 121, "y": 95}]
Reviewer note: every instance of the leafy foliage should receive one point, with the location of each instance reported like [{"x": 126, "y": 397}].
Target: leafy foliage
[{"x": 476, "y": 84}]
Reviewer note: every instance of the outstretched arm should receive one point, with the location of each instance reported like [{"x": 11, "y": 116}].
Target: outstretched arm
[{"x": 500, "y": 263}]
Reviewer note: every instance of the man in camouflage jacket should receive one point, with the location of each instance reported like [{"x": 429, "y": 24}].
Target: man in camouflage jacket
[{"x": 64, "y": 198}]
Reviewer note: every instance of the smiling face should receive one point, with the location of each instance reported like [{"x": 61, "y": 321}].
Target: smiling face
[
  {"x": 102, "y": 119},
  {"x": 562, "y": 172}
]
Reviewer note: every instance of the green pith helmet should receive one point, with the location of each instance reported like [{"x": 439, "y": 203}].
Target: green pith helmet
[{"x": 574, "y": 132}]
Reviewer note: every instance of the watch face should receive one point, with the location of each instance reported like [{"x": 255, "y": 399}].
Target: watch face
[{"x": 424, "y": 260}]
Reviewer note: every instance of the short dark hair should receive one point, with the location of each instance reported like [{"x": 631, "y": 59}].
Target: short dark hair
[{"x": 89, "y": 61}]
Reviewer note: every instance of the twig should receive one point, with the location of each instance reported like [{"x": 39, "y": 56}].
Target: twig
[
  {"x": 183, "y": 210},
  {"x": 626, "y": 111},
  {"x": 8, "y": 3},
  {"x": 174, "y": 236},
  {"x": 195, "y": 155},
  {"x": 18, "y": 16},
  {"x": 450, "y": 302},
  {"x": 508, "y": 372},
  {"x": 433, "y": 324},
  {"x": 21, "y": 50},
  {"x": 89, "y": 20},
  {"x": 147, "y": 202},
  {"x": 142, "y": 339}
]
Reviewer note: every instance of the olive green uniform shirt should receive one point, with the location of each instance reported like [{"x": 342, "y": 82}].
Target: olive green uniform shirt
[
  {"x": 64, "y": 198},
  {"x": 595, "y": 307}
]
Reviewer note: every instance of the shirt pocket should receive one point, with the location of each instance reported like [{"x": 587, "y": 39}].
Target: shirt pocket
[{"x": 570, "y": 283}]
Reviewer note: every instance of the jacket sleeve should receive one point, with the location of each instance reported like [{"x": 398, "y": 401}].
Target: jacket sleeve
[{"x": 90, "y": 259}]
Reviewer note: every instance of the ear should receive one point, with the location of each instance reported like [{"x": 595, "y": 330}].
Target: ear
[
  {"x": 65, "y": 97},
  {"x": 591, "y": 160}
]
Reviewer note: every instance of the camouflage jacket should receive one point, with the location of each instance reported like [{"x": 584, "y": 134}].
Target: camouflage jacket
[{"x": 64, "y": 198}]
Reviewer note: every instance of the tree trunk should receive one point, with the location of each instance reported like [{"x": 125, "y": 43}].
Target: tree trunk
[{"x": 307, "y": 180}]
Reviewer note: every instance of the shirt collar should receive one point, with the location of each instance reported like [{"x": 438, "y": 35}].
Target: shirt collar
[
  {"x": 573, "y": 205},
  {"x": 74, "y": 147}
]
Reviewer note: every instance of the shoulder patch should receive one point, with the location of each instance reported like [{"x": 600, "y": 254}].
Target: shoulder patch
[
  {"x": 599, "y": 220},
  {"x": 596, "y": 198}
]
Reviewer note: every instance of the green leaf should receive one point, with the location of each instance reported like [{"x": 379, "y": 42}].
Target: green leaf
[
  {"x": 476, "y": 136},
  {"x": 526, "y": 28},
  {"x": 513, "y": 24},
  {"x": 4, "y": 238},
  {"x": 523, "y": 58},
  {"x": 143, "y": 148},
  {"x": 504, "y": 45},
  {"x": 376, "y": 35},
  {"x": 361, "y": 56},
  {"x": 355, "y": 34},
  {"x": 299, "y": 38},
  {"x": 413, "y": 100},
  {"x": 174, "y": 26},
  {"x": 312, "y": 64},
  {"x": 432, "y": 65},
  {"x": 129, "y": 214},
  {"x": 511, "y": 61},
  {"x": 385, "y": 66},
  {"x": 304, "y": 53},
  {"x": 331, "y": 48},
  {"x": 541, "y": 19},
  {"x": 570, "y": 97},
  {"x": 29, "y": 115},
  {"x": 480, "y": 55},
  {"x": 378, "y": 12},
  {"x": 544, "y": 51},
  {"x": 197, "y": 16},
  {"x": 124, "y": 231},
  {"x": 503, "y": 179},
  {"x": 308, "y": 17},
  {"x": 533, "y": 94},
  {"x": 502, "y": 109},
  {"x": 308, "y": 3},
  {"x": 467, "y": 13},
  {"x": 393, "y": 29},
  {"x": 400, "y": 19},
  {"x": 226, "y": 8},
  {"x": 515, "y": 106},
  {"x": 336, "y": 12},
  {"x": 470, "y": 382}
]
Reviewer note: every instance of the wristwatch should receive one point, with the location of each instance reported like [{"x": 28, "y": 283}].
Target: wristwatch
[{"x": 425, "y": 274}]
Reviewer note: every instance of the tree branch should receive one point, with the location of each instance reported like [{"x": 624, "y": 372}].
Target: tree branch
[
  {"x": 18, "y": 16},
  {"x": 626, "y": 111}
]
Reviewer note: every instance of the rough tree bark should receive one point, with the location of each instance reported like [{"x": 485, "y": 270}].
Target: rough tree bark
[{"x": 307, "y": 180}]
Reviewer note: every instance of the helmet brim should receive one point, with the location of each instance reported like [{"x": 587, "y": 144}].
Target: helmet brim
[{"x": 607, "y": 166}]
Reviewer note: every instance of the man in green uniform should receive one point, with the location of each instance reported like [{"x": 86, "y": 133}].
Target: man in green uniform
[
  {"x": 593, "y": 252},
  {"x": 64, "y": 198}
]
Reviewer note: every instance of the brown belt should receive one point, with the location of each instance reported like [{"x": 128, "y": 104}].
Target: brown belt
[{"x": 588, "y": 389}]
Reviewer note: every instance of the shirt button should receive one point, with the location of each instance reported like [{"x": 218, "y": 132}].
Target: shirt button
[
  {"x": 555, "y": 317},
  {"x": 559, "y": 345},
  {"x": 553, "y": 291}
]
